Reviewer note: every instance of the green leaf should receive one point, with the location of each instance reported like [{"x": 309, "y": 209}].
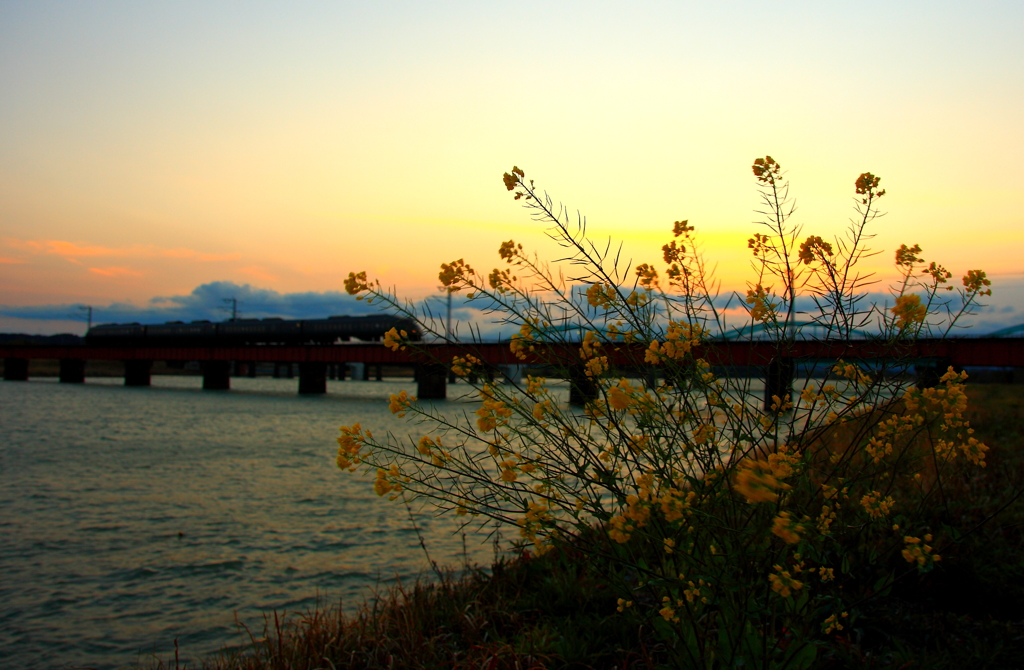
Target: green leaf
[
  {"x": 884, "y": 584},
  {"x": 803, "y": 658}
]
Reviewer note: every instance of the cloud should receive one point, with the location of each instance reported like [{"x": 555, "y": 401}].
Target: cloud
[
  {"x": 116, "y": 272},
  {"x": 214, "y": 301},
  {"x": 10, "y": 260},
  {"x": 74, "y": 250},
  {"x": 257, "y": 272}
]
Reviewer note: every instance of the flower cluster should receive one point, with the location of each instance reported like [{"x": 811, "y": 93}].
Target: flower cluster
[
  {"x": 455, "y": 275},
  {"x": 909, "y": 311},
  {"x": 786, "y": 528},
  {"x": 464, "y": 365},
  {"x": 388, "y": 481},
  {"x": 522, "y": 343},
  {"x": 393, "y": 339},
  {"x": 814, "y": 249},
  {"x": 759, "y": 481},
  {"x": 975, "y": 281},
  {"x": 400, "y": 403},
  {"x": 493, "y": 412},
  {"x": 680, "y": 339},
  {"x": 916, "y": 551},
  {"x": 866, "y": 185},
  {"x": 783, "y": 582},
  {"x": 732, "y": 519},
  {"x": 356, "y": 283},
  {"x": 349, "y": 445},
  {"x": 647, "y": 276},
  {"x": 760, "y": 308},
  {"x": 767, "y": 170},
  {"x": 599, "y": 295}
]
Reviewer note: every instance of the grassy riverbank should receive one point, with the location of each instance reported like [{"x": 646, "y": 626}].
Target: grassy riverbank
[{"x": 556, "y": 611}]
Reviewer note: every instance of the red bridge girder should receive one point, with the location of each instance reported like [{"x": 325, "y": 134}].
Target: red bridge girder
[{"x": 959, "y": 352}]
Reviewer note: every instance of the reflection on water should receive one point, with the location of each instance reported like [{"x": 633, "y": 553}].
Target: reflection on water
[{"x": 131, "y": 516}]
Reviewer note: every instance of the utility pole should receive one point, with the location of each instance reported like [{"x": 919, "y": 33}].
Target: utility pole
[
  {"x": 448, "y": 329},
  {"x": 88, "y": 309},
  {"x": 448, "y": 317},
  {"x": 234, "y": 307},
  {"x": 448, "y": 320}
]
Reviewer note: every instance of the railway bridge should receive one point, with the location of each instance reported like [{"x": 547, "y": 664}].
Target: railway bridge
[{"x": 432, "y": 361}]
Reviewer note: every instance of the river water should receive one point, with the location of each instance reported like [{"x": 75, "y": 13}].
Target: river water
[{"x": 133, "y": 516}]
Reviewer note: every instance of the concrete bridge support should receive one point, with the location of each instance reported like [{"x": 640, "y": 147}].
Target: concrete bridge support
[
  {"x": 432, "y": 381},
  {"x": 778, "y": 381},
  {"x": 284, "y": 371},
  {"x": 582, "y": 389},
  {"x": 16, "y": 369},
  {"x": 72, "y": 371},
  {"x": 136, "y": 373},
  {"x": 649, "y": 374},
  {"x": 216, "y": 375},
  {"x": 312, "y": 378},
  {"x": 929, "y": 372},
  {"x": 513, "y": 373}
]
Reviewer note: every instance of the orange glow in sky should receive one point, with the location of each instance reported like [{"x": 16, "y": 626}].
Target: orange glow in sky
[{"x": 148, "y": 148}]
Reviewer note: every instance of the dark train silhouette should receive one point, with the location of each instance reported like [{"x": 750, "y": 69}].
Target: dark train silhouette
[{"x": 253, "y": 331}]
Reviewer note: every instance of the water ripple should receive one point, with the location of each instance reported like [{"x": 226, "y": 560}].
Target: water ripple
[{"x": 130, "y": 517}]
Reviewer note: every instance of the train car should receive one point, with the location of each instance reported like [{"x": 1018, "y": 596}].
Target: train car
[
  {"x": 256, "y": 331},
  {"x": 178, "y": 332},
  {"x": 369, "y": 328},
  {"x": 113, "y": 334}
]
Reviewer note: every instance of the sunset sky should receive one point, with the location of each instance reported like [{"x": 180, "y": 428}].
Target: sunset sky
[{"x": 158, "y": 157}]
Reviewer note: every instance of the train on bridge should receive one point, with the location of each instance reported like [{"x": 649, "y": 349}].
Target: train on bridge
[{"x": 252, "y": 331}]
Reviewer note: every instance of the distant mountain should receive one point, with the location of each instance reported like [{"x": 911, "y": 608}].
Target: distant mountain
[{"x": 61, "y": 340}]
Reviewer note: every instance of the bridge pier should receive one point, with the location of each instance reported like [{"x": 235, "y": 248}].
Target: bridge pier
[
  {"x": 432, "y": 381},
  {"x": 312, "y": 378},
  {"x": 649, "y": 374},
  {"x": 136, "y": 373},
  {"x": 513, "y": 373},
  {"x": 930, "y": 371},
  {"x": 216, "y": 375},
  {"x": 582, "y": 389},
  {"x": 250, "y": 369},
  {"x": 16, "y": 369},
  {"x": 778, "y": 381},
  {"x": 72, "y": 371}
]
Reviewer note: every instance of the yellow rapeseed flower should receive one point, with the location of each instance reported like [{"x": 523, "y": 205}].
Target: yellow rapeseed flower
[
  {"x": 785, "y": 528},
  {"x": 455, "y": 274},
  {"x": 647, "y": 275},
  {"x": 784, "y": 583},
  {"x": 760, "y": 308},
  {"x": 814, "y": 248},
  {"x": 909, "y": 311},
  {"x": 356, "y": 283},
  {"x": 757, "y": 482},
  {"x": 974, "y": 280},
  {"x": 400, "y": 403}
]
